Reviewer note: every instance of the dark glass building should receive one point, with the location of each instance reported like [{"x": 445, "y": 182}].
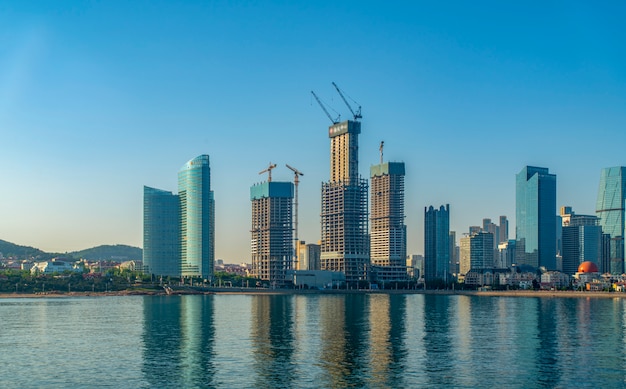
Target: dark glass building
[
  {"x": 610, "y": 210},
  {"x": 437, "y": 244},
  {"x": 535, "y": 211},
  {"x": 161, "y": 237}
]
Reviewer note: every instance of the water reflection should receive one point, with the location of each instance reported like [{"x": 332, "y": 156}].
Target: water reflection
[
  {"x": 386, "y": 344},
  {"x": 273, "y": 340},
  {"x": 438, "y": 364},
  {"x": 178, "y": 340}
]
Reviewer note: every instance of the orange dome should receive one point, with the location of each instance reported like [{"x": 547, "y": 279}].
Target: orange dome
[{"x": 588, "y": 267}]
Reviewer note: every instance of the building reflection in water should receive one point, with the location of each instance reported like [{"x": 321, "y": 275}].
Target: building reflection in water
[
  {"x": 387, "y": 350},
  {"x": 178, "y": 340},
  {"x": 273, "y": 340},
  {"x": 438, "y": 364},
  {"x": 344, "y": 343}
]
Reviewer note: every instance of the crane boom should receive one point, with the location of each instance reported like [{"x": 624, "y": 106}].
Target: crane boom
[
  {"x": 269, "y": 171},
  {"x": 357, "y": 115},
  {"x": 335, "y": 121}
]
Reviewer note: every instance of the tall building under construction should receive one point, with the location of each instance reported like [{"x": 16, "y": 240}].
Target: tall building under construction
[
  {"x": 388, "y": 231},
  {"x": 345, "y": 243},
  {"x": 272, "y": 233}
]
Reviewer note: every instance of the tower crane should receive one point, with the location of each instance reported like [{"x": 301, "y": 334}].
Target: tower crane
[
  {"x": 382, "y": 144},
  {"x": 269, "y": 171},
  {"x": 357, "y": 115},
  {"x": 296, "y": 180},
  {"x": 335, "y": 121}
]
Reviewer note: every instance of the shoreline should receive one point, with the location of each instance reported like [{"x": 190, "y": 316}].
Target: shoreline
[{"x": 254, "y": 291}]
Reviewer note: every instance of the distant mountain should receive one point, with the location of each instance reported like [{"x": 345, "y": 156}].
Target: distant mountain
[
  {"x": 118, "y": 252},
  {"x": 9, "y": 249}
]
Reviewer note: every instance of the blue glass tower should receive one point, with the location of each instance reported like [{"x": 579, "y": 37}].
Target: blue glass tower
[
  {"x": 161, "y": 237},
  {"x": 535, "y": 211},
  {"x": 197, "y": 218},
  {"x": 610, "y": 209},
  {"x": 437, "y": 244}
]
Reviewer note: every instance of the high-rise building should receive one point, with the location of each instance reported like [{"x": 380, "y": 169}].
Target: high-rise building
[
  {"x": 179, "y": 230},
  {"x": 197, "y": 218},
  {"x": 610, "y": 208},
  {"x": 535, "y": 214},
  {"x": 504, "y": 230},
  {"x": 454, "y": 258},
  {"x": 388, "y": 231},
  {"x": 582, "y": 240},
  {"x": 272, "y": 233},
  {"x": 436, "y": 244},
  {"x": 345, "y": 241},
  {"x": 481, "y": 250},
  {"x": 308, "y": 256},
  {"x": 465, "y": 263},
  {"x": 161, "y": 233}
]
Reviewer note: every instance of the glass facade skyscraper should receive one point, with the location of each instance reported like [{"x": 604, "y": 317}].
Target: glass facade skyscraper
[
  {"x": 179, "y": 230},
  {"x": 535, "y": 222},
  {"x": 197, "y": 218},
  {"x": 437, "y": 244},
  {"x": 610, "y": 209},
  {"x": 161, "y": 237}
]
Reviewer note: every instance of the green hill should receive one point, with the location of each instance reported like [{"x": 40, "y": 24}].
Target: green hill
[
  {"x": 118, "y": 252},
  {"x": 9, "y": 249}
]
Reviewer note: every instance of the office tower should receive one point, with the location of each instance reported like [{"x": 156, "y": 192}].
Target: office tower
[
  {"x": 272, "y": 233},
  {"x": 582, "y": 240},
  {"x": 504, "y": 230},
  {"x": 474, "y": 229},
  {"x": 308, "y": 256},
  {"x": 388, "y": 231},
  {"x": 197, "y": 218},
  {"x": 506, "y": 254},
  {"x": 161, "y": 234},
  {"x": 535, "y": 211},
  {"x": 481, "y": 250},
  {"x": 465, "y": 252},
  {"x": 415, "y": 265},
  {"x": 436, "y": 244},
  {"x": 345, "y": 241},
  {"x": 610, "y": 210},
  {"x": 454, "y": 259}
]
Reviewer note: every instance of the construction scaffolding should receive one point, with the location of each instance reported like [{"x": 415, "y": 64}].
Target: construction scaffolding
[
  {"x": 345, "y": 242},
  {"x": 388, "y": 231},
  {"x": 271, "y": 232}
]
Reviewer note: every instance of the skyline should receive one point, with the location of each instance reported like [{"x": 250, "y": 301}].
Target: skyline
[{"x": 97, "y": 101}]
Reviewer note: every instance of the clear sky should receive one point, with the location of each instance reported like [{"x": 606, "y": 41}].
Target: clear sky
[{"x": 98, "y": 99}]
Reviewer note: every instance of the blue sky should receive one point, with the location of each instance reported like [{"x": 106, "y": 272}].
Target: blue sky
[{"x": 98, "y": 99}]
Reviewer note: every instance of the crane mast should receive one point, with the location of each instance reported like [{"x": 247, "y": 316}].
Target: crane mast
[
  {"x": 296, "y": 181},
  {"x": 268, "y": 171}
]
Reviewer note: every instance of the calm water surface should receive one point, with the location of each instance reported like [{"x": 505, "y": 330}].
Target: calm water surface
[{"x": 312, "y": 341}]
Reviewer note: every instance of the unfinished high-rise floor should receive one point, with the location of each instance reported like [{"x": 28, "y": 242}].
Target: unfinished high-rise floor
[
  {"x": 272, "y": 233},
  {"x": 345, "y": 243},
  {"x": 388, "y": 231}
]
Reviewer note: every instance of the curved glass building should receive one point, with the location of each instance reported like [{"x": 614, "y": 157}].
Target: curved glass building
[{"x": 197, "y": 218}]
